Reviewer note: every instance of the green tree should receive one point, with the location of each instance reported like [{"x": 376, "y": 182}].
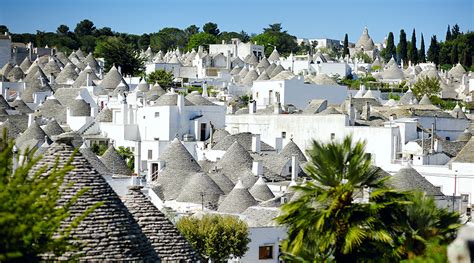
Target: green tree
[
  {"x": 98, "y": 149},
  {"x": 444, "y": 54},
  {"x": 115, "y": 51},
  {"x": 84, "y": 28},
  {"x": 62, "y": 30},
  {"x": 160, "y": 76},
  {"x": 448, "y": 34},
  {"x": 412, "y": 50},
  {"x": 433, "y": 51},
  {"x": 421, "y": 55},
  {"x": 402, "y": 47},
  {"x": 454, "y": 55},
  {"x": 168, "y": 38},
  {"x": 345, "y": 51},
  {"x": 363, "y": 56},
  {"x": 211, "y": 28},
  {"x": 88, "y": 43},
  {"x": 274, "y": 36},
  {"x": 105, "y": 31},
  {"x": 455, "y": 32},
  {"x": 325, "y": 221},
  {"x": 191, "y": 30},
  {"x": 466, "y": 57},
  {"x": 201, "y": 39},
  {"x": 215, "y": 237},
  {"x": 30, "y": 221},
  {"x": 127, "y": 155},
  {"x": 3, "y": 29},
  {"x": 389, "y": 50},
  {"x": 426, "y": 85},
  {"x": 144, "y": 42}
]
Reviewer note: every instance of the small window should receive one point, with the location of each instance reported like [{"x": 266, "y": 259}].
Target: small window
[
  {"x": 265, "y": 252},
  {"x": 150, "y": 154},
  {"x": 157, "y": 114},
  {"x": 333, "y": 136},
  {"x": 256, "y": 95},
  {"x": 283, "y": 135},
  {"x": 144, "y": 117},
  {"x": 448, "y": 138},
  {"x": 440, "y": 188},
  {"x": 465, "y": 198}
]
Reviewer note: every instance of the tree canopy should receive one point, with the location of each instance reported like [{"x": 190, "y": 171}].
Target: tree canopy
[
  {"x": 30, "y": 218},
  {"x": 215, "y": 237},
  {"x": 115, "y": 51},
  {"x": 426, "y": 85},
  {"x": 162, "y": 77},
  {"x": 201, "y": 39},
  {"x": 211, "y": 28},
  {"x": 274, "y": 36}
]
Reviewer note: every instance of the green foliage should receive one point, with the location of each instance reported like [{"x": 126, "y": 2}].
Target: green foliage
[
  {"x": 389, "y": 51},
  {"x": 345, "y": 51},
  {"x": 421, "y": 52},
  {"x": 115, "y": 51},
  {"x": 201, "y": 39},
  {"x": 30, "y": 219},
  {"x": 412, "y": 50},
  {"x": 393, "y": 96},
  {"x": 426, "y": 85},
  {"x": 62, "y": 30},
  {"x": 211, "y": 28},
  {"x": 445, "y": 104},
  {"x": 363, "y": 56},
  {"x": 325, "y": 223},
  {"x": 402, "y": 47},
  {"x": 98, "y": 149},
  {"x": 84, "y": 28},
  {"x": 127, "y": 155},
  {"x": 191, "y": 30},
  {"x": 162, "y": 77},
  {"x": 215, "y": 237},
  {"x": 168, "y": 38},
  {"x": 433, "y": 51},
  {"x": 273, "y": 36},
  {"x": 3, "y": 29}
]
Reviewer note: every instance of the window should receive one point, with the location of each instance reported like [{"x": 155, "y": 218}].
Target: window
[
  {"x": 265, "y": 252},
  {"x": 465, "y": 198},
  {"x": 440, "y": 188},
  {"x": 256, "y": 95},
  {"x": 283, "y": 135},
  {"x": 157, "y": 114},
  {"x": 150, "y": 154},
  {"x": 333, "y": 136},
  {"x": 448, "y": 138}
]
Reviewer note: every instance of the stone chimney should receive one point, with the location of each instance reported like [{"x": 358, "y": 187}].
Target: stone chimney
[
  {"x": 277, "y": 108},
  {"x": 252, "y": 107},
  {"x": 256, "y": 143},
  {"x": 366, "y": 111},
  {"x": 257, "y": 168},
  {"x": 180, "y": 102},
  {"x": 294, "y": 167},
  {"x": 231, "y": 109}
]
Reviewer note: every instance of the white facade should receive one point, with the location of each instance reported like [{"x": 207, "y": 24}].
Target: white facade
[
  {"x": 237, "y": 49},
  {"x": 382, "y": 142},
  {"x": 265, "y": 238},
  {"x": 322, "y": 42},
  {"x": 295, "y": 92}
]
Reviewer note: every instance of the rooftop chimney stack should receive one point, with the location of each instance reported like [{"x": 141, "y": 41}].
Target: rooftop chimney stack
[
  {"x": 257, "y": 168},
  {"x": 256, "y": 143},
  {"x": 294, "y": 168},
  {"x": 252, "y": 107}
]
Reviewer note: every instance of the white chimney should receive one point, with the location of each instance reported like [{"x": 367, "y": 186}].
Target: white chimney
[
  {"x": 256, "y": 143},
  {"x": 257, "y": 168},
  {"x": 204, "y": 89},
  {"x": 277, "y": 108},
  {"x": 138, "y": 161},
  {"x": 252, "y": 107},
  {"x": 294, "y": 167},
  {"x": 180, "y": 102},
  {"x": 31, "y": 119},
  {"x": 278, "y": 144}
]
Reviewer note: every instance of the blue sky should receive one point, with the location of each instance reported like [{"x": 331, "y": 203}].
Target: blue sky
[{"x": 302, "y": 18}]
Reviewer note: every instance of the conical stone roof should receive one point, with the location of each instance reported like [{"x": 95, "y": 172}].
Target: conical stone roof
[
  {"x": 260, "y": 190},
  {"x": 234, "y": 159},
  {"x": 51, "y": 68},
  {"x": 15, "y": 74},
  {"x": 115, "y": 163},
  {"x": 109, "y": 233},
  {"x": 91, "y": 62},
  {"x": 105, "y": 115},
  {"x": 67, "y": 74},
  {"x": 291, "y": 149},
  {"x": 237, "y": 201},
  {"x": 224, "y": 183},
  {"x": 143, "y": 86},
  {"x": 165, "y": 238},
  {"x": 250, "y": 77},
  {"x": 25, "y": 64},
  {"x": 12, "y": 130},
  {"x": 94, "y": 160},
  {"x": 33, "y": 132},
  {"x": 53, "y": 128},
  {"x": 274, "y": 56},
  {"x": 112, "y": 79},
  {"x": 21, "y": 106},
  {"x": 408, "y": 179},
  {"x": 79, "y": 107},
  {"x": 263, "y": 76},
  {"x": 201, "y": 188},
  {"x": 425, "y": 100},
  {"x": 278, "y": 69},
  {"x": 81, "y": 80}
]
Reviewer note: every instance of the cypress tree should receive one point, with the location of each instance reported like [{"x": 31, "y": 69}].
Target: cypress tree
[
  {"x": 412, "y": 50},
  {"x": 390, "y": 50},
  {"x": 421, "y": 55},
  {"x": 346, "y": 46},
  {"x": 402, "y": 47},
  {"x": 448, "y": 34},
  {"x": 433, "y": 51},
  {"x": 454, "y": 55},
  {"x": 455, "y": 32},
  {"x": 466, "y": 58},
  {"x": 444, "y": 56}
]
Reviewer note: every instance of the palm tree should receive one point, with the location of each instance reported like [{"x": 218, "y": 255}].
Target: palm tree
[{"x": 325, "y": 222}]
